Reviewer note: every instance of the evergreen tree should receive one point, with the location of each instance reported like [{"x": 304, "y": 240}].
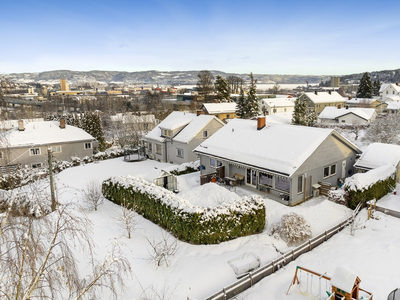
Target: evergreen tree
[
  {"x": 300, "y": 112},
  {"x": 252, "y": 106},
  {"x": 241, "y": 105},
  {"x": 365, "y": 88},
  {"x": 377, "y": 87},
  {"x": 222, "y": 90}
]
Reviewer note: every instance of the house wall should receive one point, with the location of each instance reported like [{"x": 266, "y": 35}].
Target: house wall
[
  {"x": 351, "y": 119},
  {"x": 331, "y": 151},
  {"x": 22, "y": 155},
  {"x": 282, "y": 109}
]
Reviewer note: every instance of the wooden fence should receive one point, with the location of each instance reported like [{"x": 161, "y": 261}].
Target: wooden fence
[{"x": 255, "y": 276}]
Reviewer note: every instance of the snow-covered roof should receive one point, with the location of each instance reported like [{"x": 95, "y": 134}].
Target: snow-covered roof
[
  {"x": 393, "y": 106},
  {"x": 132, "y": 118},
  {"x": 333, "y": 112},
  {"x": 9, "y": 124},
  {"x": 344, "y": 279},
  {"x": 325, "y": 97},
  {"x": 278, "y": 148},
  {"x": 278, "y": 102},
  {"x": 217, "y": 108},
  {"x": 394, "y": 98},
  {"x": 379, "y": 154},
  {"x": 45, "y": 133},
  {"x": 191, "y": 124},
  {"x": 367, "y": 101}
]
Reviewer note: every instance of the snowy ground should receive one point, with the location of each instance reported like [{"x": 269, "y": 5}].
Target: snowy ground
[{"x": 199, "y": 271}]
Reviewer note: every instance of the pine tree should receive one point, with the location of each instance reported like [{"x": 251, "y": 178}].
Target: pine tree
[
  {"x": 241, "y": 105},
  {"x": 222, "y": 90},
  {"x": 300, "y": 112},
  {"x": 252, "y": 101},
  {"x": 377, "y": 87},
  {"x": 365, "y": 88}
]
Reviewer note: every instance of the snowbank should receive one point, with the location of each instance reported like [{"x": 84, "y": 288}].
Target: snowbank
[{"x": 362, "y": 181}]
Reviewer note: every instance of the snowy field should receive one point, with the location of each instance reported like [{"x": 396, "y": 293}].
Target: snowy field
[{"x": 199, "y": 271}]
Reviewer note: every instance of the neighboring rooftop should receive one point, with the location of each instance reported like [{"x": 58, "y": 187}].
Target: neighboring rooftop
[
  {"x": 44, "y": 133},
  {"x": 217, "y": 108},
  {"x": 333, "y": 112},
  {"x": 377, "y": 155},
  {"x": 278, "y": 102},
  {"x": 324, "y": 97}
]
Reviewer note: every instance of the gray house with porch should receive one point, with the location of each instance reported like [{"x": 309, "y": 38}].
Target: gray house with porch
[{"x": 289, "y": 162}]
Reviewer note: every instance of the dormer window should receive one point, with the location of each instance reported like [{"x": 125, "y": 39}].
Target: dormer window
[{"x": 167, "y": 133}]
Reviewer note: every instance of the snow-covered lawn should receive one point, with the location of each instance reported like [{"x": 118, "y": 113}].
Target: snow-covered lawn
[{"x": 195, "y": 271}]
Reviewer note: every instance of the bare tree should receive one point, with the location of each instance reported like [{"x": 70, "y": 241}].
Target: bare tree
[
  {"x": 163, "y": 249},
  {"x": 37, "y": 257},
  {"x": 126, "y": 218},
  {"x": 205, "y": 85},
  {"x": 235, "y": 83},
  {"x": 276, "y": 88},
  {"x": 92, "y": 193}
]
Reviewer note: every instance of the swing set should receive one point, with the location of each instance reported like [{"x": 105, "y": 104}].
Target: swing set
[{"x": 343, "y": 285}]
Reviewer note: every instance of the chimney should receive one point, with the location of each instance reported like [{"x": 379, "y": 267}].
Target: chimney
[
  {"x": 339, "y": 106},
  {"x": 397, "y": 83},
  {"x": 316, "y": 92},
  {"x": 62, "y": 123},
  {"x": 21, "y": 125},
  {"x": 260, "y": 123},
  {"x": 330, "y": 92},
  {"x": 199, "y": 112}
]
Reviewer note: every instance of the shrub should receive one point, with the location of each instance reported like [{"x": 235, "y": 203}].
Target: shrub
[
  {"x": 198, "y": 225},
  {"x": 294, "y": 228}
]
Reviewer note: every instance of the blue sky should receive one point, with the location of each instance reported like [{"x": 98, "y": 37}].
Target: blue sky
[{"x": 268, "y": 37}]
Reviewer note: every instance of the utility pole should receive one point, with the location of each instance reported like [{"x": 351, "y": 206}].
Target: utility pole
[{"x": 53, "y": 198}]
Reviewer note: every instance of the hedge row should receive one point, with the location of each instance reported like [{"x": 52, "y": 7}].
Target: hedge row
[
  {"x": 374, "y": 191},
  {"x": 194, "y": 224}
]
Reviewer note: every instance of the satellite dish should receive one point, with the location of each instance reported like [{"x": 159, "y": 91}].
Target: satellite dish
[{"x": 394, "y": 295}]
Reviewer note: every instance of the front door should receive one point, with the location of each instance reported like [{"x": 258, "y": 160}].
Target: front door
[{"x": 251, "y": 177}]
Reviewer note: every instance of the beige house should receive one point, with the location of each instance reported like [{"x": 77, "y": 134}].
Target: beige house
[
  {"x": 317, "y": 101},
  {"x": 29, "y": 143},
  {"x": 223, "y": 111}
]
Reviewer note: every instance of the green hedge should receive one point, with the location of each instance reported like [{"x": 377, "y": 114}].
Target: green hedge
[
  {"x": 197, "y": 225},
  {"x": 374, "y": 191}
]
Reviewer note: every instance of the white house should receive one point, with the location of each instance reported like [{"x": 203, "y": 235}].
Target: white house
[
  {"x": 174, "y": 139},
  {"x": 393, "y": 107},
  {"x": 347, "y": 115},
  {"x": 286, "y": 161},
  {"x": 276, "y": 105},
  {"x": 389, "y": 92},
  {"x": 28, "y": 144}
]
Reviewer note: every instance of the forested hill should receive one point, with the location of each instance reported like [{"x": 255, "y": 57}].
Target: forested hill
[{"x": 383, "y": 76}]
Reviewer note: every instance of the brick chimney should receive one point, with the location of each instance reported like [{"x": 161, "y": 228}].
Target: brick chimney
[
  {"x": 397, "y": 83},
  {"x": 21, "y": 125},
  {"x": 199, "y": 112},
  {"x": 330, "y": 92},
  {"x": 62, "y": 123},
  {"x": 316, "y": 92},
  {"x": 260, "y": 123}
]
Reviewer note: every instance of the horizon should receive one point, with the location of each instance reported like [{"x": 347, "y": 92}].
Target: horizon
[{"x": 263, "y": 37}]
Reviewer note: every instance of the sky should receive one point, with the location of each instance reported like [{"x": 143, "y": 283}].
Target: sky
[{"x": 264, "y": 37}]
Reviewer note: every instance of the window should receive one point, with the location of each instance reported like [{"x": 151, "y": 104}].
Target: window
[
  {"x": 179, "y": 152},
  {"x": 227, "y": 116},
  {"x": 88, "y": 145},
  {"x": 34, "y": 151},
  {"x": 1, "y": 155},
  {"x": 330, "y": 171},
  {"x": 205, "y": 134},
  {"x": 266, "y": 179},
  {"x": 343, "y": 121},
  {"x": 167, "y": 132},
  {"x": 212, "y": 162},
  {"x": 56, "y": 149},
  {"x": 300, "y": 184},
  {"x": 158, "y": 149},
  {"x": 36, "y": 166},
  {"x": 284, "y": 109},
  {"x": 150, "y": 147},
  {"x": 282, "y": 184}
]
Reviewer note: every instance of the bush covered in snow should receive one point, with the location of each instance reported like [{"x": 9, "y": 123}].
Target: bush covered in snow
[
  {"x": 371, "y": 185},
  {"x": 293, "y": 229},
  {"x": 198, "y": 225}
]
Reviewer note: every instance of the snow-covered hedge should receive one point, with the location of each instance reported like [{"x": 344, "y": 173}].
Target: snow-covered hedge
[
  {"x": 371, "y": 185},
  {"x": 194, "y": 224}
]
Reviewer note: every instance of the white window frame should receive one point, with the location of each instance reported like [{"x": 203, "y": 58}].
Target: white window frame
[
  {"x": 179, "y": 152},
  {"x": 86, "y": 144},
  {"x": 300, "y": 187},
  {"x": 34, "y": 151},
  {"x": 158, "y": 147},
  {"x": 215, "y": 162},
  {"x": 56, "y": 149},
  {"x": 150, "y": 147},
  {"x": 330, "y": 171}
]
